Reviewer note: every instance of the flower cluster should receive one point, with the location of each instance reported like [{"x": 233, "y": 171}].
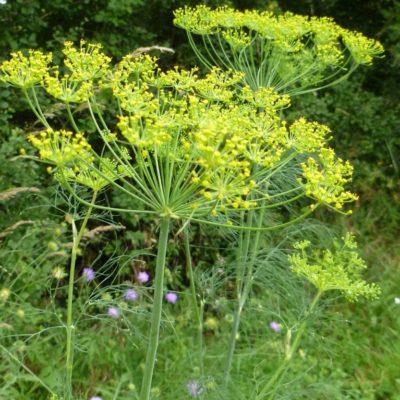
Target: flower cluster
[
  {"x": 288, "y": 52},
  {"x": 61, "y": 147},
  {"x": 339, "y": 269},
  {"x": 23, "y": 71},
  {"x": 325, "y": 179},
  {"x": 185, "y": 145},
  {"x": 95, "y": 176}
]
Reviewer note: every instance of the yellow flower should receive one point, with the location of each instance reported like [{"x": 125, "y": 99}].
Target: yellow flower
[{"x": 25, "y": 71}]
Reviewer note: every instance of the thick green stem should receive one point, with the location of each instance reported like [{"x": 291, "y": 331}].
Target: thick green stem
[
  {"x": 77, "y": 237},
  {"x": 156, "y": 313},
  {"x": 273, "y": 383},
  {"x": 196, "y": 310}
]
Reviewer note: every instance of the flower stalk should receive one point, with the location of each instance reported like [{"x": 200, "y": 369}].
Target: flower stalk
[
  {"x": 77, "y": 237},
  {"x": 156, "y": 312},
  {"x": 195, "y": 307}
]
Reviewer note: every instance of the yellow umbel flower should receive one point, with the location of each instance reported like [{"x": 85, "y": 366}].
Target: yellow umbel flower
[
  {"x": 66, "y": 89},
  {"x": 86, "y": 63},
  {"x": 291, "y": 53},
  {"x": 188, "y": 146},
  {"x": 325, "y": 179},
  {"x": 307, "y": 136},
  {"x": 336, "y": 269},
  {"x": 25, "y": 71},
  {"x": 61, "y": 147}
]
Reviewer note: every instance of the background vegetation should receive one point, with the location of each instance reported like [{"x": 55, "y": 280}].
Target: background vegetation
[{"x": 353, "y": 354}]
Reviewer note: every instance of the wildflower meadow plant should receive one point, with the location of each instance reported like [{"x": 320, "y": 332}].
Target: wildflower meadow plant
[
  {"x": 113, "y": 312},
  {"x": 275, "y": 326},
  {"x": 143, "y": 277},
  {"x": 171, "y": 297},
  {"x": 89, "y": 274},
  {"x": 131, "y": 295},
  {"x": 189, "y": 149}
]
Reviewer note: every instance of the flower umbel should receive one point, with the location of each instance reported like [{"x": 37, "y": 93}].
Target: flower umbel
[
  {"x": 337, "y": 269},
  {"x": 186, "y": 147},
  {"x": 290, "y": 53}
]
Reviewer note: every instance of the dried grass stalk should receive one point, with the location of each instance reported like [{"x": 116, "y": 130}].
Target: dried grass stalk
[
  {"x": 10, "y": 193},
  {"x": 140, "y": 50},
  {"x": 13, "y": 227},
  {"x": 101, "y": 229}
]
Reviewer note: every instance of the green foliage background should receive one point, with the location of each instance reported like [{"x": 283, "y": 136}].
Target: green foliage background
[{"x": 358, "y": 357}]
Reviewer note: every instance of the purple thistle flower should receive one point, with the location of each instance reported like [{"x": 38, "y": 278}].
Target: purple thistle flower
[
  {"x": 88, "y": 274},
  {"x": 171, "y": 297},
  {"x": 95, "y": 398},
  {"x": 113, "y": 312},
  {"x": 275, "y": 326},
  {"x": 143, "y": 277},
  {"x": 131, "y": 295},
  {"x": 194, "y": 388}
]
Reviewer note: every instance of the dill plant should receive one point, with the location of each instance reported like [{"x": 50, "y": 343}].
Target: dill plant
[
  {"x": 337, "y": 269},
  {"x": 292, "y": 55},
  {"x": 186, "y": 149}
]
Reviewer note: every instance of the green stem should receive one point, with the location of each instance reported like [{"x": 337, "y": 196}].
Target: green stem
[
  {"x": 77, "y": 237},
  {"x": 156, "y": 313},
  {"x": 273, "y": 383},
  {"x": 243, "y": 290},
  {"x": 196, "y": 310},
  {"x": 36, "y": 111},
  {"x": 71, "y": 118}
]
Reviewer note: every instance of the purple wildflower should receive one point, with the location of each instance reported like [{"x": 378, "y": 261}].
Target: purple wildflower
[
  {"x": 171, "y": 297},
  {"x": 88, "y": 274},
  {"x": 113, "y": 312},
  {"x": 143, "y": 277},
  {"x": 95, "y": 398},
  {"x": 194, "y": 388},
  {"x": 275, "y": 326},
  {"x": 131, "y": 295}
]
